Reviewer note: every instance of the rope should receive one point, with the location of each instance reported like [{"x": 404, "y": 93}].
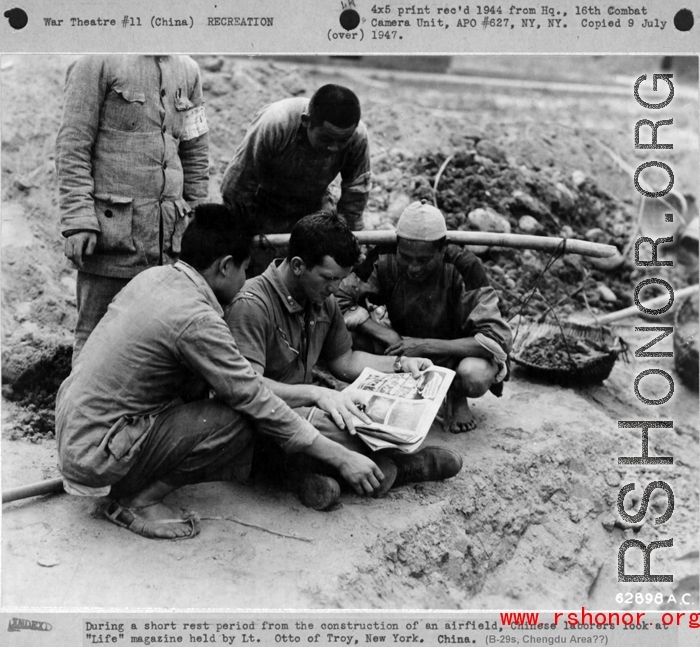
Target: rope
[
  {"x": 437, "y": 179},
  {"x": 556, "y": 254},
  {"x": 561, "y": 329}
]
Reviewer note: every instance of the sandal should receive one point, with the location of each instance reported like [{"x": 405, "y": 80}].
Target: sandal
[{"x": 127, "y": 518}]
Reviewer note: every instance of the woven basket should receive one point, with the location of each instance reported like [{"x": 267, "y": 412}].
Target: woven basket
[
  {"x": 686, "y": 343},
  {"x": 593, "y": 371}
]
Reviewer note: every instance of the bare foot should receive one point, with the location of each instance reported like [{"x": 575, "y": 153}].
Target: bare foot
[
  {"x": 145, "y": 514},
  {"x": 164, "y": 522},
  {"x": 462, "y": 419}
]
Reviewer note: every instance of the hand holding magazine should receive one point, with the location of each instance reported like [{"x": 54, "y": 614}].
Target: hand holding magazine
[{"x": 402, "y": 408}]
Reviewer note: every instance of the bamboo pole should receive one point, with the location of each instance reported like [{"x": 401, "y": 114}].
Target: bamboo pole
[
  {"x": 33, "y": 489},
  {"x": 518, "y": 241}
]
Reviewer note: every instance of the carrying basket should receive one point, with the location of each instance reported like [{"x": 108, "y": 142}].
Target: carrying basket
[{"x": 577, "y": 369}]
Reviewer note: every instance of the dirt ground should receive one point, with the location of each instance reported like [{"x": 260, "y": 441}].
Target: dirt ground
[{"x": 531, "y": 520}]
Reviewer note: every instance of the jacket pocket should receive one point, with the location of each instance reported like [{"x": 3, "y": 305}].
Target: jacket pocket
[
  {"x": 125, "y": 437},
  {"x": 177, "y": 216},
  {"x": 123, "y": 108},
  {"x": 115, "y": 216}
]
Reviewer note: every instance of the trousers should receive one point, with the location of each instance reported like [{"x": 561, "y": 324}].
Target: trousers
[
  {"x": 94, "y": 293},
  {"x": 192, "y": 443}
]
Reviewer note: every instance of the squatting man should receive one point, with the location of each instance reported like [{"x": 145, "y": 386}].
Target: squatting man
[
  {"x": 133, "y": 419},
  {"x": 436, "y": 302}
]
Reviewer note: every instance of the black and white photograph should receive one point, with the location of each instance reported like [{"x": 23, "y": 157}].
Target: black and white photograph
[{"x": 200, "y": 252}]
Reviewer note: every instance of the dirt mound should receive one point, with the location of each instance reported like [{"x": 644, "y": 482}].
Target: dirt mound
[
  {"x": 36, "y": 379},
  {"x": 235, "y": 89},
  {"x": 480, "y": 187}
]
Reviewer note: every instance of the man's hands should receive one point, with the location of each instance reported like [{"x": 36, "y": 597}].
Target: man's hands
[
  {"x": 342, "y": 406},
  {"x": 79, "y": 244},
  {"x": 360, "y": 472},
  {"x": 415, "y": 365},
  {"x": 410, "y": 347}
]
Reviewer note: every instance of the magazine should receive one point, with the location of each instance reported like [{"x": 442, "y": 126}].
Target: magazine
[{"x": 402, "y": 408}]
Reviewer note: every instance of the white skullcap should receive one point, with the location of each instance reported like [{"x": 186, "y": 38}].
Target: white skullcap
[{"x": 421, "y": 221}]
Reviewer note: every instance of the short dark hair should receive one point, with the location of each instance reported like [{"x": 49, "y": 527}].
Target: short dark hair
[
  {"x": 335, "y": 104},
  {"x": 215, "y": 231},
  {"x": 323, "y": 234}
]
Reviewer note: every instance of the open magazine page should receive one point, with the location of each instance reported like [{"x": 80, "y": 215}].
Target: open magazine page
[{"x": 402, "y": 408}]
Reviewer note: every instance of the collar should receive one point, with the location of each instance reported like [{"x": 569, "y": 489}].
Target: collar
[
  {"x": 272, "y": 274},
  {"x": 196, "y": 278}
]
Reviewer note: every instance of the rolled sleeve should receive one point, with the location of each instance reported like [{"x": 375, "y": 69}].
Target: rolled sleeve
[{"x": 480, "y": 314}]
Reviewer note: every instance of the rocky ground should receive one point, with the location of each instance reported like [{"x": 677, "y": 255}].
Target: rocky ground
[{"x": 531, "y": 521}]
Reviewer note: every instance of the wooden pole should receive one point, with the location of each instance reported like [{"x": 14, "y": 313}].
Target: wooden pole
[
  {"x": 34, "y": 489},
  {"x": 518, "y": 241},
  {"x": 634, "y": 310}
]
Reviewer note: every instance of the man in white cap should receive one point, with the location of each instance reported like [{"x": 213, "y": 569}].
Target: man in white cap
[{"x": 439, "y": 304}]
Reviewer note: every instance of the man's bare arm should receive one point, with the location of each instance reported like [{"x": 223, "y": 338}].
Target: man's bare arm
[
  {"x": 417, "y": 347},
  {"x": 342, "y": 406},
  {"x": 349, "y": 365}
]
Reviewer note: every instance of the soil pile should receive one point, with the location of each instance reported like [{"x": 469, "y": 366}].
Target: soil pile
[
  {"x": 480, "y": 187},
  {"x": 564, "y": 352}
]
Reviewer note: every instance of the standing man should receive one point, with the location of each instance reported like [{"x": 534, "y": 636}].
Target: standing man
[
  {"x": 292, "y": 152},
  {"x": 440, "y": 305},
  {"x": 132, "y": 160}
]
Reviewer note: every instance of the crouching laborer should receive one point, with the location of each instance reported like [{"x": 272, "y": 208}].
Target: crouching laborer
[
  {"x": 287, "y": 319},
  {"x": 439, "y": 304},
  {"x": 291, "y": 154},
  {"x": 133, "y": 420}
]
